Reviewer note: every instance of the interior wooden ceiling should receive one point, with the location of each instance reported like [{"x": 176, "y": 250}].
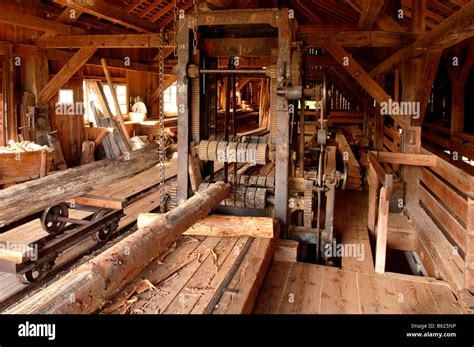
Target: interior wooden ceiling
[{"x": 330, "y": 12}]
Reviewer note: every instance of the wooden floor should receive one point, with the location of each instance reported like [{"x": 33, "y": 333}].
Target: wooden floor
[
  {"x": 291, "y": 288},
  {"x": 124, "y": 189},
  {"x": 199, "y": 275},
  {"x": 355, "y": 288}
]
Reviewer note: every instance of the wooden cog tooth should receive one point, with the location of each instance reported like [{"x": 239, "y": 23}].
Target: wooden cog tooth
[
  {"x": 308, "y": 204},
  {"x": 212, "y": 150},
  {"x": 202, "y": 151}
]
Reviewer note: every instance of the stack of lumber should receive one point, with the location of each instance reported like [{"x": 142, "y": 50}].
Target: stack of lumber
[
  {"x": 354, "y": 179},
  {"x": 23, "y": 161},
  {"x": 117, "y": 142}
]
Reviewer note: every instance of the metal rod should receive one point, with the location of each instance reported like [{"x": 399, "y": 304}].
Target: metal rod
[
  {"x": 234, "y": 129},
  {"x": 302, "y": 130}
]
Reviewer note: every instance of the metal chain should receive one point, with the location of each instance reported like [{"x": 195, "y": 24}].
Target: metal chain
[
  {"x": 195, "y": 27},
  {"x": 175, "y": 29},
  {"x": 161, "y": 73}
]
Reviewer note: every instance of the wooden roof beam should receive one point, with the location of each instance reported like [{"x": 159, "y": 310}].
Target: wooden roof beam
[
  {"x": 104, "y": 10},
  {"x": 101, "y": 41},
  {"x": 370, "y": 11},
  {"x": 60, "y": 55},
  {"x": 317, "y": 38},
  {"x": 67, "y": 71},
  {"x": 454, "y": 29}
]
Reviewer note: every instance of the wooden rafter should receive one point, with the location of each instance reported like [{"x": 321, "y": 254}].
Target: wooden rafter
[
  {"x": 370, "y": 12},
  {"x": 361, "y": 76},
  {"x": 453, "y": 30},
  {"x": 383, "y": 21}
]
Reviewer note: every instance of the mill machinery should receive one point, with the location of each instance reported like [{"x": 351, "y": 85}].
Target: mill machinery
[{"x": 282, "y": 169}]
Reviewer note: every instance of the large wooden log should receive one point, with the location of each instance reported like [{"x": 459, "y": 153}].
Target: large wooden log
[
  {"x": 30, "y": 197},
  {"x": 221, "y": 225},
  {"x": 89, "y": 286}
]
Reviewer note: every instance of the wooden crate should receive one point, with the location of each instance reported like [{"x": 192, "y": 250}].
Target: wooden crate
[{"x": 23, "y": 166}]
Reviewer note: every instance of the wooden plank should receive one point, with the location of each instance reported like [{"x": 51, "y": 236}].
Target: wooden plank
[
  {"x": 405, "y": 158},
  {"x": 116, "y": 103},
  {"x": 381, "y": 232},
  {"x": 100, "y": 201},
  {"x": 241, "y": 293},
  {"x": 286, "y": 250},
  {"x": 400, "y": 233},
  {"x": 450, "y": 197},
  {"x": 67, "y": 71},
  {"x": 444, "y": 298},
  {"x": 374, "y": 184},
  {"x": 457, "y": 177},
  {"x": 377, "y": 295},
  {"x": 205, "y": 281},
  {"x": 447, "y": 262},
  {"x": 339, "y": 294},
  {"x": 444, "y": 218},
  {"x": 227, "y": 225},
  {"x": 415, "y": 298},
  {"x": 271, "y": 294},
  {"x": 207, "y": 300}
]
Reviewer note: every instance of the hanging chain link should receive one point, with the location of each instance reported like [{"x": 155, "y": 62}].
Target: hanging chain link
[
  {"x": 161, "y": 74},
  {"x": 175, "y": 29},
  {"x": 195, "y": 27}
]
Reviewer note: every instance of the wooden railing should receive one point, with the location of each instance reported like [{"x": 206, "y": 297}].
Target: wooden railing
[
  {"x": 447, "y": 194},
  {"x": 381, "y": 185}
]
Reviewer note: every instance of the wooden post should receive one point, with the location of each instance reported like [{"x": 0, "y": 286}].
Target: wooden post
[
  {"x": 373, "y": 189},
  {"x": 381, "y": 235},
  {"x": 9, "y": 122},
  {"x": 87, "y": 287},
  {"x": 114, "y": 97}
]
